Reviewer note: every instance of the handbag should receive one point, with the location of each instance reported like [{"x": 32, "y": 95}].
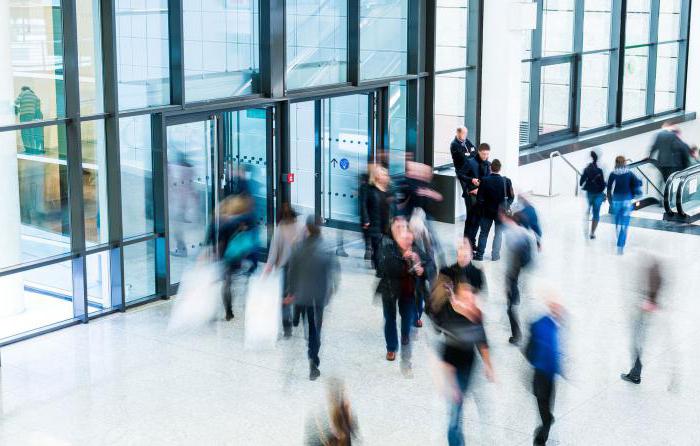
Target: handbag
[
  {"x": 506, "y": 206},
  {"x": 242, "y": 244}
]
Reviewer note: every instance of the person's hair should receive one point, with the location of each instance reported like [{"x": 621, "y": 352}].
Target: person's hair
[
  {"x": 313, "y": 225},
  {"x": 373, "y": 174},
  {"x": 341, "y": 418},
  {"x": 286, "y": 214},
  {"x": 496, "y": 166},
  {"x": 620, "y": 161},
  {"x": 460, "y": 129},
  {"x": 483, "y": 146},
  {"x": 594, "y": 156}
]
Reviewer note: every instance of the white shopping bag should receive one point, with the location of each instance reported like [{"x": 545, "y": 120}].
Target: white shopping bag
[
  {"x": 262, "y": 312},
  {"x": 198, "y": 300}
]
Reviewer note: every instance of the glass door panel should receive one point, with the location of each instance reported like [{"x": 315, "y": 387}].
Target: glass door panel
[
  {"x": 302, "y": 156},
  {"x": 192, "y": 154}
]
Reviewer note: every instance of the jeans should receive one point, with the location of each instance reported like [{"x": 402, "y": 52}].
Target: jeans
[
  {"x": 286, "y": 309},
  {"x": 621, "y": 210},
  {"x": 407, "y": 311},
  {"x": 543, "y": 388},
  {"x": 595, "y": 201},
  {"x": 485, "y": 227},
  {"x": 314, "y": 316},
  {"x": 454, "y": 431},
  {"x": 513, "y": 295}
]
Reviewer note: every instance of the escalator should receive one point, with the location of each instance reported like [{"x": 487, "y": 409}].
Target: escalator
[
  {"x": 653, "y": 183},
  {"x": 682, "y": 196}
]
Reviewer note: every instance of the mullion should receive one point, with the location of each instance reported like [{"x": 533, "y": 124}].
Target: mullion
[{"x": 652, "y": 57}]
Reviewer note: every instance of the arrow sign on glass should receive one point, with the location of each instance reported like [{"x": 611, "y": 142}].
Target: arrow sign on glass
[{"x": 334, "y": 162}]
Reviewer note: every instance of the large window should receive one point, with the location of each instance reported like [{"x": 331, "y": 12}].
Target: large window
[
  {"x": 383, "y": 38},
  {"x": 587, "y": 75},
  {"x": 317, "y": 40}
]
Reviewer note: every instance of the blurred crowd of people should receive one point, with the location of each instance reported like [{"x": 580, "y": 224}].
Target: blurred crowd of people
[{"x": 414, "y": 278}]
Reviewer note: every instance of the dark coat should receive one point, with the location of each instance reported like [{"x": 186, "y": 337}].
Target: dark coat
[
  {"x": 312, "y": 273},
  {"x": 461, "y": 153},
  {"x": 393, "y": 268},
  {"x": 475, "y": 169},
  {"x": 378, "y": 213},
  {"x": 592, "y": 179},
  {"x": 495, "y": 191},
  {"x": 670, "y": 151}
]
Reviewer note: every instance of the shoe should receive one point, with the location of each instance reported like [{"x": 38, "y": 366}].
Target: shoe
[
  {"x": 495, "y": 258},
  {"x": 368, "y": 255},
  {"x": 620, "y": 251},
  {"x": 229, "y": 316},
  {"x": 538, "y": 440},
  {"x": 390, "y": 356},
  {"x": 419, "y": 323},
  {"x": 478, "y": 258},
  {"x": 515, "y": 340},
  {"x": 631, "y": 379},
  {"x": 314, "y": 372},
  {"x": 404, "y": 340},
  {"x": 592, "y": 237},
  {"x": 406, "y": 369},
  {"x": 287, "y": 333}
]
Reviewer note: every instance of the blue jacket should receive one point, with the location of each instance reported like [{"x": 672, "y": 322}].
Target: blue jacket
[
  {"x": 624, "y": 185},
  {"x": 527, "y": 218},
  {"x": 543, "y": 349}
]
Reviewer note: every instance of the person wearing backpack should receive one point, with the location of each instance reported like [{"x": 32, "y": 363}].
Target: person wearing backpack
[
  {"x": 623, "y": 186},
  {"x": 593, "y": 182},
  {"x": 543, "y": 352}
]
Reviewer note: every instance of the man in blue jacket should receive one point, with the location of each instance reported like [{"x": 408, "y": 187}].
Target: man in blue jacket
[{"x": 543, "y": 352}]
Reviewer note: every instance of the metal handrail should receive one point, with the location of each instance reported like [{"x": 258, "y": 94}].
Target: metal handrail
[
  {"x": 668, "y": 192},
  {"x": 551, "y": 170},
  {"x": 689, "y": 173}
]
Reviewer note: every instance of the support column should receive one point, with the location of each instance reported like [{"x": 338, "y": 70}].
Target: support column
[
  {"x": 500, "y": 94},
  {"x": 12, "y": 287}
]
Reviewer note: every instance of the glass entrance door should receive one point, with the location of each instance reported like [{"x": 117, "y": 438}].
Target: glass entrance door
[
  {"x": 209, "y": 158},
  {"x": 332, "y": 142}
]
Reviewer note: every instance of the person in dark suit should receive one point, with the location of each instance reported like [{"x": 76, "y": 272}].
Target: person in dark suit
[
  {"x": 495, "y": 194},
  {"x": 461, "y": 150},
  {"x": 478, "y": 167},
  {"x": 670, "y": 151}
]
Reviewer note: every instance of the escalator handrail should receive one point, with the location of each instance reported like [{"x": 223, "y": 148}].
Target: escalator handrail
[
  {"x": 638, "y": 164},
  {"x": 686, "y": 175},
  {"x": 669, "y": 183}
]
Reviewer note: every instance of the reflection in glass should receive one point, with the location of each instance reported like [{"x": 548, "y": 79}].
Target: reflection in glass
[
  {"x": 316, "y": 42},
  {"x": 97, "y": 276},
  {"x": 596, "y": 25},
  {"x": 383, "y": 38},
  {"x": 524, "y": 132},
  {"x": 139, "y": 270},
  {"x": 666, "y": 77},
  {"x": 557, "y": 27},
  {"x": 143, "y": 58},
  {"x": 92, "y": 134},
  {"x": 136, "y": 175},
  {"x": 555, "y": 96},
  {"x": 191, "y": 151},
  {"x": 36, "y": 298},
  {"x": 34, "y": 185},
  {"x": 637, "y": 27},
  {"x": 397, "y": 127},
  {"x": 635, "y": 83},
  {"x": 451, "y": 34},
  {"x": 89, "y": 56},
  {"x": 594, "y": 90},
  {"x": 221, "y": 42},
  {"x": 32, "y": 80},
  {"x": 450, "y": 100}
]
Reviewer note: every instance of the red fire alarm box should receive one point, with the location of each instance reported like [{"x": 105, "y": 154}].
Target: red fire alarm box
[{"x": 290, "y": 178}]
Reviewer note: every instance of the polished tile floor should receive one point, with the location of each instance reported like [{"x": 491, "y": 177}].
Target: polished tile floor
[{"x": 126, "y": 380}]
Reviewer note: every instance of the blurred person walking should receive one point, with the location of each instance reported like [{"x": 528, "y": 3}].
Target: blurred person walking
[
  {"x": 543, "y": 351},
  {"x": 525, "y": 215},
  {"x": 671, "y": 152},
  {"x": 337, "y": 427},
  {"x": 287, "y": 233},
  {"x": 400, "y": 265},
  {"x": 647, "y": 309},
  {"x": 377, "y": 219},
  {"x": 593, "y": 182},
  {"x": 519, "y": 243},
  {"x": 623, "y": 186},
  {"x": 495, "y": 196},
  {"x": 362, "y": 195},
  {"x": 478, "y": 167},
  {"x": 425, "y": 243},
  {"x": 313, "y": 279},
  {"x": 454, "y": 311}
]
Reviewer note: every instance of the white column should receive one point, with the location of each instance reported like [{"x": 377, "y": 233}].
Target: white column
[
  {"x": 501, "y": 73},
  {"x": 12, "y": 287}
]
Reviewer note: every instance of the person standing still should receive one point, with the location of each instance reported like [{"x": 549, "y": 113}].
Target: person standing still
[
  {"x": 494, "y": 196},
  {"x": 377, "y": 219},
  {"x": 462, "y": 150},
  {"x": 478, "y": 167},
  {"x": 313, "y": 278}
]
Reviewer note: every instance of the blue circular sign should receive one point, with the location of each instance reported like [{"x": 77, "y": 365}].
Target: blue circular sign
[{"x": 344, "y": 163}]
